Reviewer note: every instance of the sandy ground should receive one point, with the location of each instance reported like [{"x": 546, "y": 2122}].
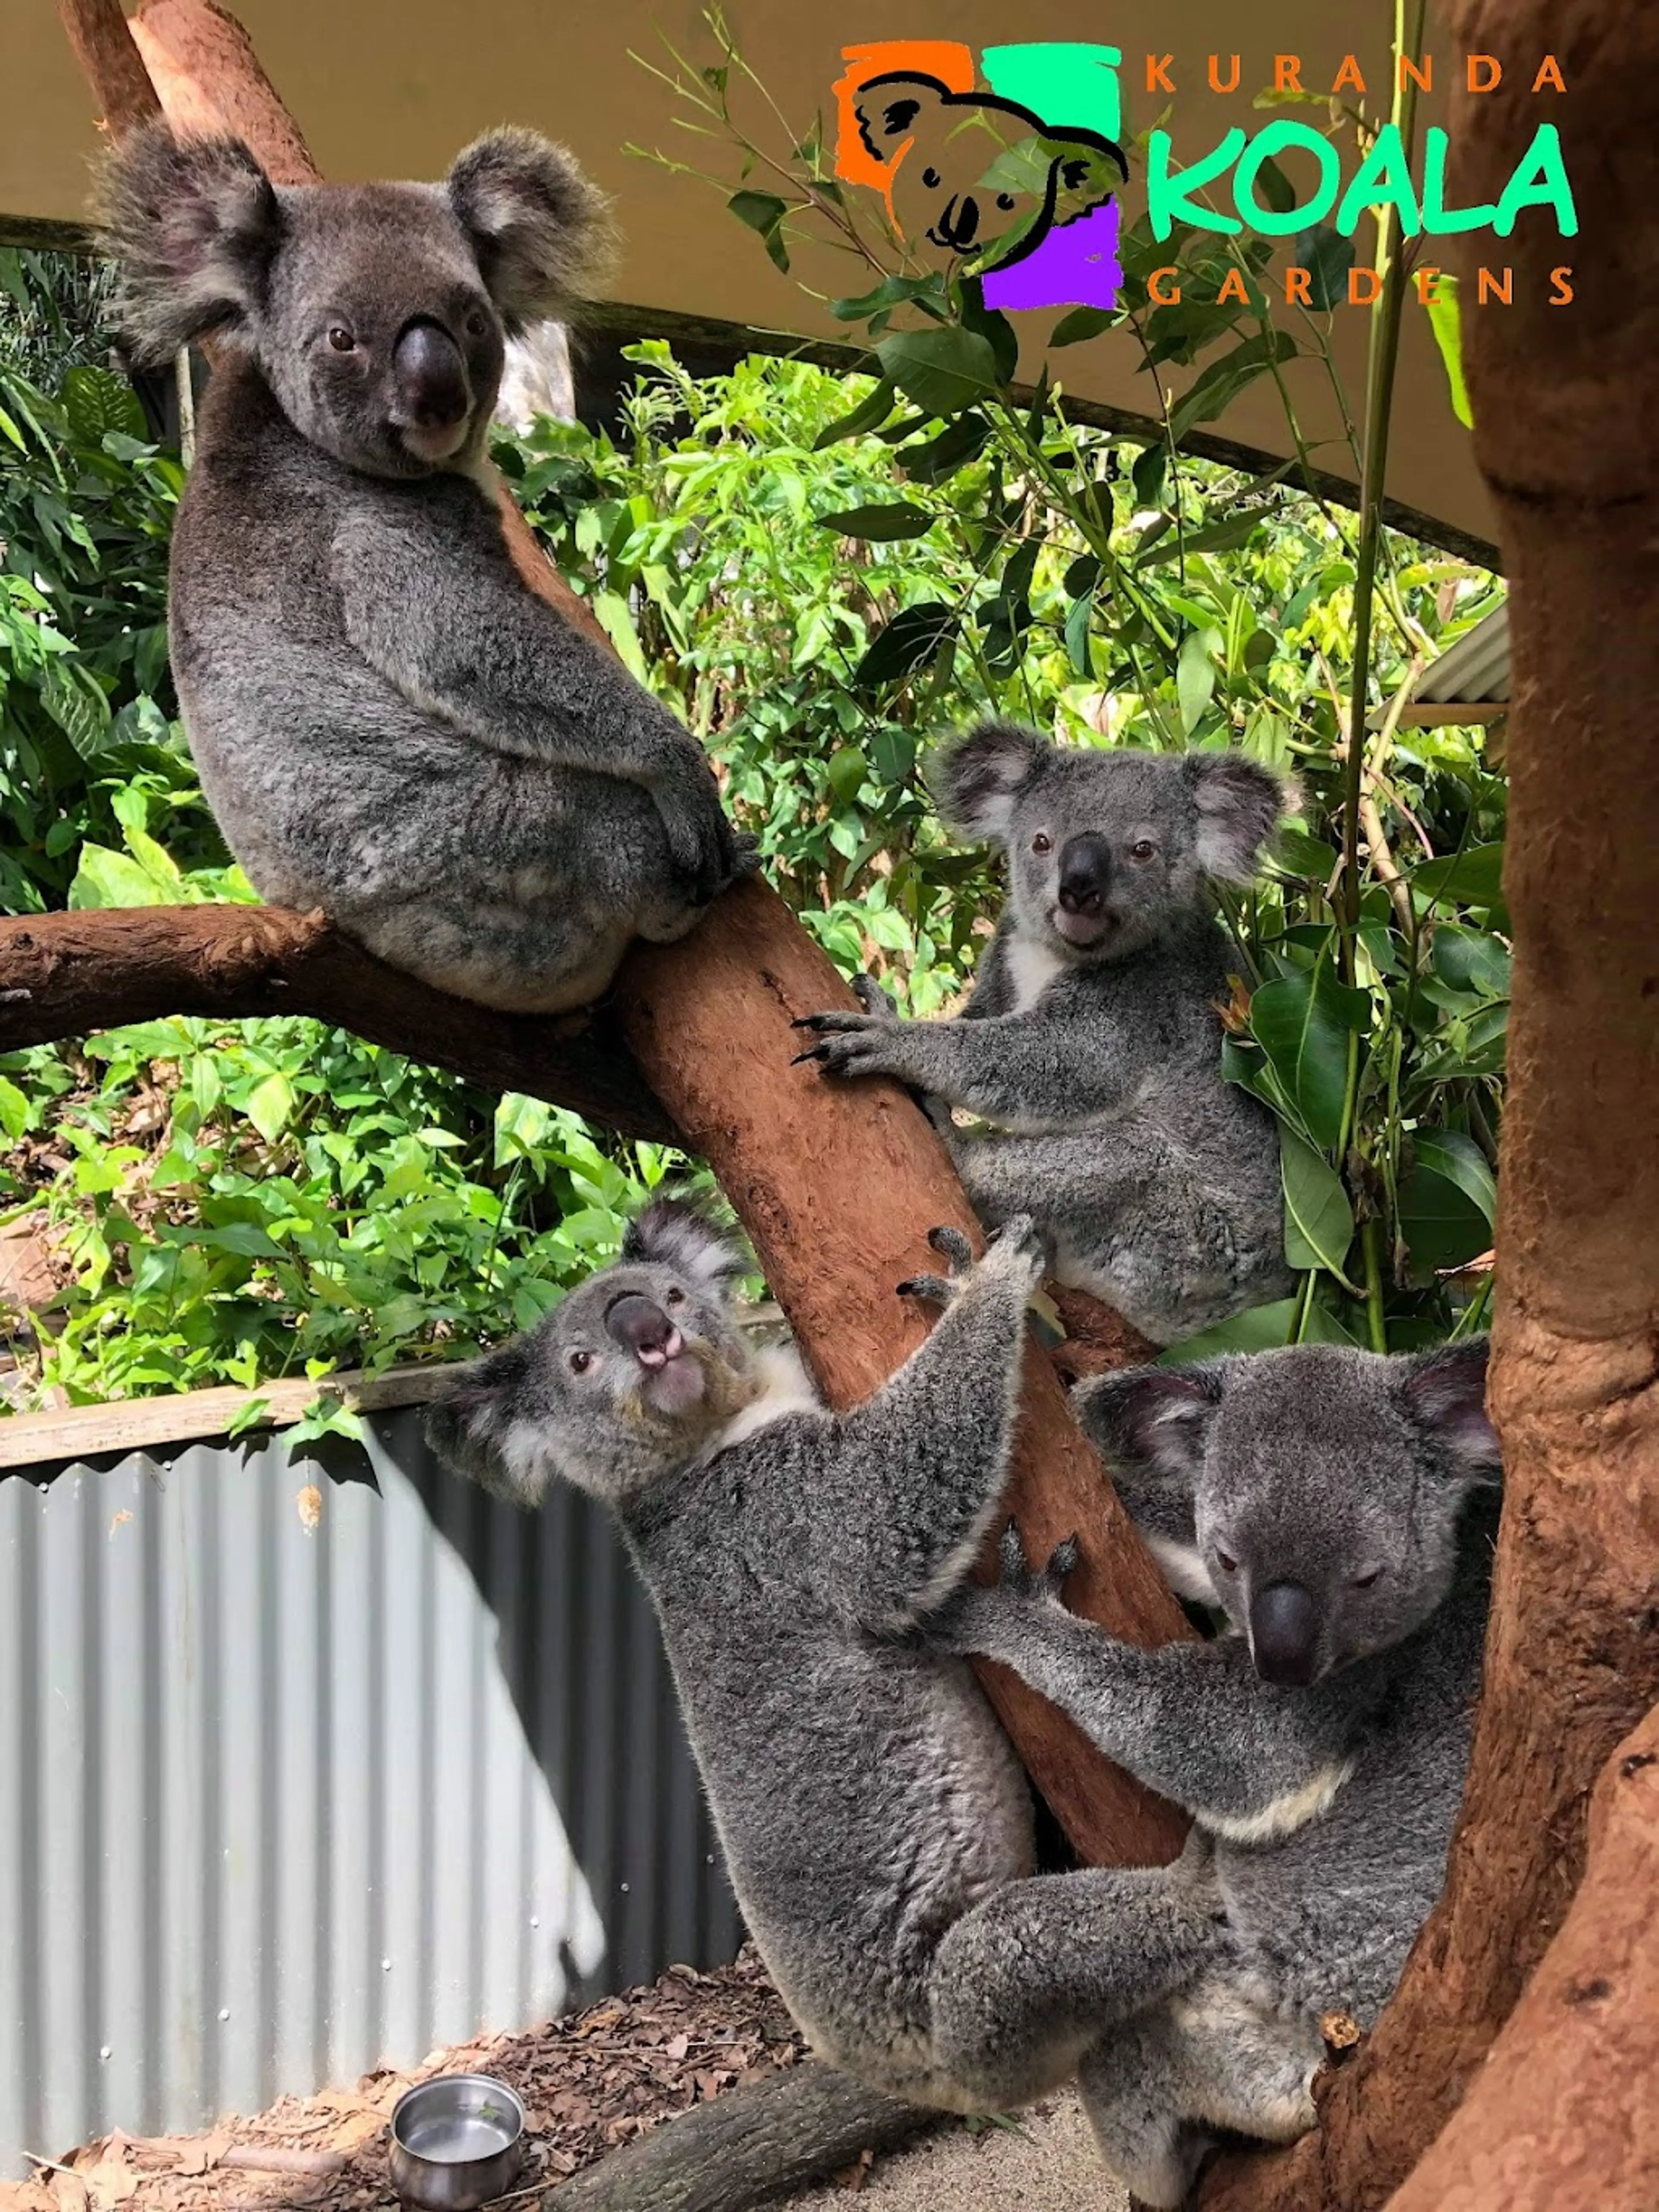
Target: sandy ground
[{"x": 1048, "y": 2165}]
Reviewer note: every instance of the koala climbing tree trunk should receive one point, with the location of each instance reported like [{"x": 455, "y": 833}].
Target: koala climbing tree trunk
[{"x": 1565, "y": 433}]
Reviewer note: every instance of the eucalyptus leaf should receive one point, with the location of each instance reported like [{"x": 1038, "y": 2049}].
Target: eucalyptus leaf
[
  {"x": 1318, "y": 1219},
  {"x": 1447, "y": 1201},
  {"x": 1303, "y": 1023},
  {"x": 943, "y": 371},
  {"x": 892, "y": 519}
]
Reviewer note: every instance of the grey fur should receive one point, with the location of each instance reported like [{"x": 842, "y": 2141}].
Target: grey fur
[
  {"x": 1098, "y": 1063},
  {"x": 1323, "y": 1814},
  {"x": 876, "y": 1824},
  {"x": 388, "y": 723}
]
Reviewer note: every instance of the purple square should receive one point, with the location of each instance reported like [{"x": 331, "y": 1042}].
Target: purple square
[{"x": 1075, "y": 266}]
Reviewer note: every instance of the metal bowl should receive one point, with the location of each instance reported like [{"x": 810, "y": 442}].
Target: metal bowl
[{"x": 456, "y": 2142}]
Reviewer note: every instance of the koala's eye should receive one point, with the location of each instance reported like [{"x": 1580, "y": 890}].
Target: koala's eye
[
  {"x": 1143, "y": 849},
  {"x": 930, "y": 178},
  {"x": 675, "y": 1298},
  {"x": 1004, "y": 201},
  {"x": 476, "y": 323},
  {"x": 341, "y": 339},
  {"x": 1364, "y": 1582},
  {"x": 580, "y": 1362},
  {"x": 1042, "y": 842},
  {"x": 1225, "y": 1561}
]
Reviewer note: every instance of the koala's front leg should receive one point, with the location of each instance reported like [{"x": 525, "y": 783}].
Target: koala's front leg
[
  {"x": 1193, "y": 1721},
  {"x": 1022, "y": 1070}
]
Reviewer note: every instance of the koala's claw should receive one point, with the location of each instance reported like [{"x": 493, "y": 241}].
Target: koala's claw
[
  {"x": 873, "y": 1000},
  {"x": 853, "y": 1044},
  {"x": 953, "y": 1246},
  {"x": 933, "y": 1288},
  {"x": 1037, "y": 1585}
]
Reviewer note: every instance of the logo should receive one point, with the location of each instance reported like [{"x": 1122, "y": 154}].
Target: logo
[{"x": 1012, "y": 171}]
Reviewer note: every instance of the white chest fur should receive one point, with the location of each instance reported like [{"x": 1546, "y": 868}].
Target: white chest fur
[
  {"x": 786, "y": 1388},
  {"x": 1031, "y": 968}
]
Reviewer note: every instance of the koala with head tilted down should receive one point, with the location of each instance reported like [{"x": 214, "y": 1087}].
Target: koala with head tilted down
[
  {"x": 389, "y": 724},
  {"x": 1091, "y": 1045},
  {"x": 1339, "y": 1508},
  {"x": 876, "y": 1827}
]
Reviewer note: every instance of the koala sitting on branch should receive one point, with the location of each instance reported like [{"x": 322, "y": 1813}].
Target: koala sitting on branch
[
  {"x": 877, "y": 1826},
  {"x": 388, "y": 723},
  {"x": 1091, "y": 1045},
  {"x": 1339, "y": 1508}
]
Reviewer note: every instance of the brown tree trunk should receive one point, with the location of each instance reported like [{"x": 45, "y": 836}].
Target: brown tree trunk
[
  {"x": 1562, "y": 2113},
  {"x": 1568, "y": 436},
  {"x": 837, "y": 1189}
]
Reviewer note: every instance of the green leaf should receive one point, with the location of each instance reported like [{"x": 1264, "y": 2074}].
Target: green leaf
[
  {"x": 1474, "y": 878},
  {"x": 943, "y": 371},
  {"x": 1447, "y": 1201},
  {"x": 913, "y": 636},
  {"x": 1303, "y": 1024},
  {"x": 1259, "y": 1328},
  {"x": 1445, "y": 315},
  {"x": 1328, "y": 257},
  {"x": 270, "y": 1106},
  {"x": 1082, "y": 323},
  {"x": 1221, "y": 383},
  {"x": 881, "y": 524},
  {"x": 614, "y": 613},
  {"x": 1293, "y": 852},
  {"x": 96, "y": 403},
  {"x": 1214, "y": 538},
  {"x": 1469, "y": 961},
  {"x": 892, "y": 754},
  {"x": 14, "y": 1110},
  {"x": 1195, "y": 675},
  {"x": 846, "y": 773},
  {"x": 763, "y": 212},
  {"x": 107, "y": 878},
  {"x": 1318, "y": 1219},
  {"x": 869, "y": 414},
  {"x": 76, "y": 703},
  {"x": 1076, "y": 634}
]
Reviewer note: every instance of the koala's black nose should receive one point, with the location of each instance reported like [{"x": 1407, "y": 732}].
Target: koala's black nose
[
  {"x": 644, "y": 1330},
  {"x": 1285, "y": 1635},
  {"x": 431, "y": 377},
  {"x": 1086, "y": 869}
]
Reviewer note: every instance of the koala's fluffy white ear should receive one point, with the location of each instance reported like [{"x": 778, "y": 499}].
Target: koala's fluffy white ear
[
  {"x": 1237, "y": 802},
  {"x": 1152, "y": 1419},
  {"x": 978, "y": 778},
  {"x": 483, "y": 1427},
  {"x": 541, "y": 231},
  {"x": 1445, "y": 1394},
  {"x": 670, "y": 1233},
  {"x": 195, "y": 225},
  {"x": 887, "y": 108}
]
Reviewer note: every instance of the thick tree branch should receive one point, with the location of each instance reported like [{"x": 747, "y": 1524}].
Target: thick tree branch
[{"x": 64, "y": 975}]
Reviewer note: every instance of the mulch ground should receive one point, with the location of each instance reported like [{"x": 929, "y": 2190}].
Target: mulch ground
[{"x": 589, "y": 2081}]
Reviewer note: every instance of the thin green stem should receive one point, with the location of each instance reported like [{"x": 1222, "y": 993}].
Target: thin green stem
[{"x": 1374, "y": 1324}]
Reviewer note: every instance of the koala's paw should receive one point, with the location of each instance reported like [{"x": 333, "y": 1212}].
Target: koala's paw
[
  {"x": 1035, "y": 1585},
  {"x": 873, "y": 1000},
  {"x": 1016, "y": 1249},
  {"x": 706, "y": 853},
  {"x": 852, "y": 1044},
  {"x": 958, "y": 1255}
]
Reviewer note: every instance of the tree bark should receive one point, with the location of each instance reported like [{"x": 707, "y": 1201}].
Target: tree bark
[
  {"x": 836, "y": 1188},
  {"x": 1563, "y": 2112},
  {"x": 1568, "y": 438},
  {"x": 64, "y": 975}
]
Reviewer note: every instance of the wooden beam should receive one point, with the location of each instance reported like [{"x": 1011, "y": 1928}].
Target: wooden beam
[{"x": 79, "y": 1433}]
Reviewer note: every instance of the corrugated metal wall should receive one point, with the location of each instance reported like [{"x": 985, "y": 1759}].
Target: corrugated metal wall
[{"x": 310, "y": 1765}]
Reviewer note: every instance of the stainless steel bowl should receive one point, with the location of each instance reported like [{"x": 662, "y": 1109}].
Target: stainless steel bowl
[{"x": 456, "y": 2142}]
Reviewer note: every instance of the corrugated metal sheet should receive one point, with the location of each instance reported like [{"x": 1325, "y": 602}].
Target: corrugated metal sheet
[
  {"x": 1475, "y": 670},
  {"x": 310, "y": 1765}
]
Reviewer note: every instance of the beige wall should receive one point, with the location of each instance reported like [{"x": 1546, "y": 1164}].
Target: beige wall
[{"x": 394, "y": 86}]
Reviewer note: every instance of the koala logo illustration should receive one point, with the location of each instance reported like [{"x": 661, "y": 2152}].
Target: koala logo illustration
[{"x": 968, "y": 171}]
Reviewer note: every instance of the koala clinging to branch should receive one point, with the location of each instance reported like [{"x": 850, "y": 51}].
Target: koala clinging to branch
[
  {"x": 389, "y": 724},
  {"x": 1339, "y": 1508},
  {"x": 876, "y": 1825},
  {"x": 1092, "y": 1042}
]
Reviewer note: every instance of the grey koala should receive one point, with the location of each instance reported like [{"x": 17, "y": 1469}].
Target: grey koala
[
  {"x": 388, "y": 723},
  {"x": 1092, "y": 1041},
  {"x": 1339, "y": 1508},
  {"x": 877, "y": 1826}
]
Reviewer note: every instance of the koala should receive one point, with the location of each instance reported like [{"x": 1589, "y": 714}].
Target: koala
[
  {"x": 1339, "y": 1508},
  {"x": 1091, "y": 1043},
  {"x": 388, "y": 723},
  {"x": 967, "y": 169},
  {"x": 876, "y": 1825}
]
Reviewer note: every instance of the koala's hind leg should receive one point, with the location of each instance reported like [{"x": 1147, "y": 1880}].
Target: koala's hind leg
[
  {"x": 1024, "y": 1984},
  {"x": 1130, "y": 1216},
  {"x": 1158, "y": 2090}
]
